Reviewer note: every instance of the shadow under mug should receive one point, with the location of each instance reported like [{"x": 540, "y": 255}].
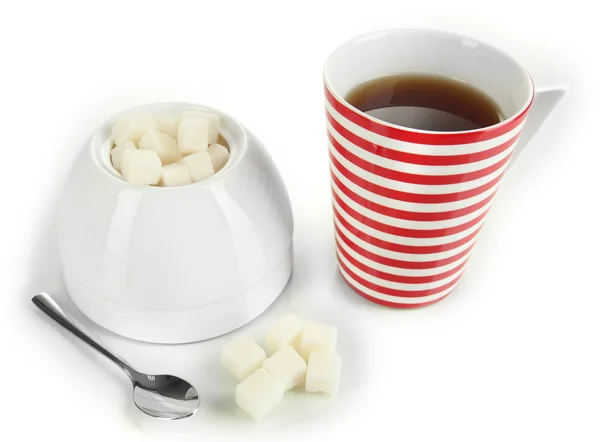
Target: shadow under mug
[{"x": 408, "y": 204}]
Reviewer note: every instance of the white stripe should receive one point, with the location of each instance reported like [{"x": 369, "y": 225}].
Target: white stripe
[
  {"x": 421, "y": 149},
  {"x": 408, "y": 206},
  {"x": 416, "y": 168},
  {"x": 413, "y": 257},
  {"x": 400, "y": 285},
  {"x": 408, "y": 224},
  {"x": 423, "y": 189},
  {"x": 404, "y": 240},
  {"x": 396, "y": 299},
  {"x": 399, "y": 270}
]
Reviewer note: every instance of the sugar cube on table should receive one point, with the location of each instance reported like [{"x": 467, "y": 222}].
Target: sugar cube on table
[
  {"x": 176, "y": 174},
  {"x": 259, "y": 394},
  {"x": 140, "y": 166},
  {"x": 214, "y": 125},
  {"x": 167, "y": 125},
  {"x": 117, "y": 153},
  {"x": 192, "y": 135},
  {"x": 323, "y": 372},
  {"x": 132, "y": 127},
  {"x": 287, "y": 330},
  {"x": 287, "y": 366},
  {"x": 199, "y": 165},
  {"x": 218, "y": 155},
  {"x": 164, "y": 146},
  {"x": 242, "y": 356},
  {"x": 317, "y": 337}
]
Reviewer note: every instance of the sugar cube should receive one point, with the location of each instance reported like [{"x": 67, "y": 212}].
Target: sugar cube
[
  {"x": 218, "y": 155},
  {"x": 242, "y": 356},
  {"x": 259, "y": 394},
  {"x": 164, "y": 146},
  {"x": 132, "y": 127},
  {"x": 323, "y": 373},
  {"x": 287, "y": 330},
  {"x": 140, "y": 166},
  {"x": 167, "y": 125},
  {"x": 192, "y": 135},
  {"x": 287, "y": 366},
  {"x": 199, "y": 165},
  {"x": 317, "y": 337},
  {"x": 176, "y": 174},
  {"x": 117, "y": 153},
  {"x": 214, "y": 125}
]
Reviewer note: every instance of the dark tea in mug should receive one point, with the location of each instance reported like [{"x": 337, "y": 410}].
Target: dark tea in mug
[{"x": 426, "y": 102}]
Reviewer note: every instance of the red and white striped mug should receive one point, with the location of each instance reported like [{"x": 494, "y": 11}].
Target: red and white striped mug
[{"x": 408, "y": 204}]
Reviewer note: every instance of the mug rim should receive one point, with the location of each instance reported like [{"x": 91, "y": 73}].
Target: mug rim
[{"x": 420, "y": 136}]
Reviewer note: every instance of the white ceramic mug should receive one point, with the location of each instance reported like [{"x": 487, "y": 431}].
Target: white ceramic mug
[{"x": 408, "y": 203}]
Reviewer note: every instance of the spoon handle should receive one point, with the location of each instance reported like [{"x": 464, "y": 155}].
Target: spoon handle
[{"x": 45, "y": 302}]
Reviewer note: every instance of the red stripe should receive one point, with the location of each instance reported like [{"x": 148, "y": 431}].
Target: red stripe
[
  {"x": 407, "y": 215},
  {"x": 411, "y": 265},
  {"x": 396, "y": 175},
  {"x": 388, "y": 303},
  {"x": 400, "y": 231},
  {"x": 393, "y": 292},
  {"x": 430, "y": 138},
  {"x": 424, "y": 160},
  {"x": 402, "y": 248},
  {"x": 412, "y": 197},
  {"x": 397, "y": 278}
]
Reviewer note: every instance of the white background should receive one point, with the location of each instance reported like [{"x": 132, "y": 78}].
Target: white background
[{"x": 512, "y": 354}]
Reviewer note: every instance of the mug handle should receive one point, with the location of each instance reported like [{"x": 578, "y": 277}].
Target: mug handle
[{"x": 545, "y": 102}]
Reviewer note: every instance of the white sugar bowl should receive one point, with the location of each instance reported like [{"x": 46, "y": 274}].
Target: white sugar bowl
[{"x": 176, "y": 264}]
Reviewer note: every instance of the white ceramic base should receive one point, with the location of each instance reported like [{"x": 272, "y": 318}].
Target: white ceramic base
[{"x": 185, "y": 325}]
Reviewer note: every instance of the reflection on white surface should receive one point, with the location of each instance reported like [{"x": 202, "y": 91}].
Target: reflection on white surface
[{"x": 123, "y": 222}]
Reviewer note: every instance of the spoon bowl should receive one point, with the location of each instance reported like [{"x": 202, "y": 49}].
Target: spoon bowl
[{"x": 166, "y": 397}]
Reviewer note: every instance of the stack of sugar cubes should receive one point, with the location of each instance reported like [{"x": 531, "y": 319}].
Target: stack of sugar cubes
[
  {"x": 168, "y": 151},
  {"x": 301, "y": 355}
]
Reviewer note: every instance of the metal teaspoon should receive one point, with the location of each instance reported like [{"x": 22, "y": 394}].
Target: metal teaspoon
[{"x": 161, "y": 396}]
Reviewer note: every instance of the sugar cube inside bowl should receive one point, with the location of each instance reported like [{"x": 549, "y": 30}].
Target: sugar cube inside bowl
[
  {"x": 132, "y": 127},
  {"x": 164, "y": 146},
  {"x": 213, "y": 123},
  {"x": 141, "y": 166},
  {"x": 176, "y": 174},
  {"x": 192, "y": 135},
  {"x": 116, "y": 154},
  {"x": 199, "y": 165},
  {"x": 218, "y": 155},
  {"x": 167, "y": 125}
]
